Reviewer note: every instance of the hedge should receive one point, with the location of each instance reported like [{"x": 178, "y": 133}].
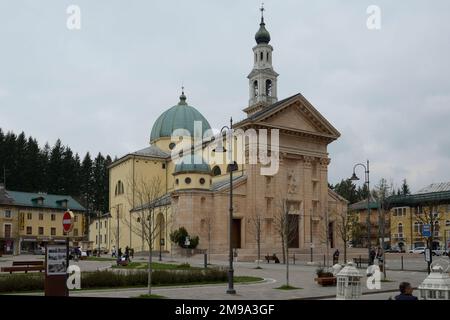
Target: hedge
[{"x": 110, "y": 279}]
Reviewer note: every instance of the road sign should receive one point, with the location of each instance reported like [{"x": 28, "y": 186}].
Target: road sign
[
  {"x": 426, "y": 230},
  {"x": 67, "y": 221}
]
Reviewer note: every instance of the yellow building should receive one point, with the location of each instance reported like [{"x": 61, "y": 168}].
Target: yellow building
[
  {"x": 100, "y": 233},
  {"x": 430, "y": 205},
  {"x": 29, "y": 220},
  {"x": 165, "y": 187},
  {"x": 379, "y": 224}
]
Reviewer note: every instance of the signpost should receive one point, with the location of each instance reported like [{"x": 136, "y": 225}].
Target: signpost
[{"x": 57, "y": 262}]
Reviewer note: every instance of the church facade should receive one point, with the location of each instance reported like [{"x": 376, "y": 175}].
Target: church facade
[{"x": 190, "y": 187}]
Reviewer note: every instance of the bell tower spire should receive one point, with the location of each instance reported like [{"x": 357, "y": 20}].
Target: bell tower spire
[{"x": 262, "y": 79}]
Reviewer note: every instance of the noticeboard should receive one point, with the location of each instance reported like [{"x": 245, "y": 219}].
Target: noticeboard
[{"x": 56, "y": 260}]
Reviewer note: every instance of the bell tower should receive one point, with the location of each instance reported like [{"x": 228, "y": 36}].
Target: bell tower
[{"x": 262, "y": 79}]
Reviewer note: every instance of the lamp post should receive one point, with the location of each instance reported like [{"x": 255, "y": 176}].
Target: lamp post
[
  {"x": 231, "y": 167},
  {"x": 366, "y": 176}
]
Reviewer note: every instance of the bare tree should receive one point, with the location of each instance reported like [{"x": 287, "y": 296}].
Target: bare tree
[
  {"x": 149, "y": 202},
  {"x": 286, "y": 228},
  {"x": 209, "y": 222},
  {"x": 256, "y": 229},
  {"x": 344, "y": 227}
]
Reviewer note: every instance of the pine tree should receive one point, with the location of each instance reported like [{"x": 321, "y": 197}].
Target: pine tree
[
  {"x": 86, "y": 183},
  {"x": 55, "y": 171},
  {"x": 405, "y": 188}
]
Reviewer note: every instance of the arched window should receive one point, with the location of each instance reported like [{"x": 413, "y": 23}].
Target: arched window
[
  {"x": 400, "y": 228},
  {"x": 256, "y": 57},
  {"x": 261, "y": 58},
  {"x": 267, "y": 57},
  {"x": 255, "y": 88},
  {"x": 234, "y": 166},
  {"x": 216, "y": 171},
  {"x": 269, "y": 88},
  {"x": 119, "y": 188}
]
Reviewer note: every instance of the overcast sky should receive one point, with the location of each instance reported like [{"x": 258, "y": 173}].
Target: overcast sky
[{"x": 101, "y": 88}]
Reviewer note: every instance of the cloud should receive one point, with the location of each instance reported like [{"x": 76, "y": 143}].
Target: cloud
[{"x": 100, "y": 89}]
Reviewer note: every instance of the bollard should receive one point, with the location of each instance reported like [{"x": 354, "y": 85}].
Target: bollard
[
  {"x": 402, "y": 262},
  {"x": 324, "y": 260},
  {"x": 205, "y": 255}
]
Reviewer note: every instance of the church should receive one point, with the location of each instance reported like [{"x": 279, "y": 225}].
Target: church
[{"x": 157, "y": 183}]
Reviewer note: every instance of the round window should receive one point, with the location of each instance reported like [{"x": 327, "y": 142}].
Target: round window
[
  {"x": 172, "y": 145},
  {"x": 187, "y": 180},
  {"x": 202, "y": 181}
]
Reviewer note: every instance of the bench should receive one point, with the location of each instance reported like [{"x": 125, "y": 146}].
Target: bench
[
  {"x": 272, "y": 258},
  {"x": 359, "y": 261},
  {"x": 24, "y": 266}
]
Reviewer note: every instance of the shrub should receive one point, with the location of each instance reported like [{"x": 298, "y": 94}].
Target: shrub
[
  {"x": 21, "y": 282},
  {"x": 113, "y": 279},
  {"x": 179, "y": 237}
]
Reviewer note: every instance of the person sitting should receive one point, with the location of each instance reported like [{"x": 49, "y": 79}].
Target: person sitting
[{"x": 275, "y": 258}]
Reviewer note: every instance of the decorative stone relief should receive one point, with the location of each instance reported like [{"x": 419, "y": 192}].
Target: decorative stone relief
[{"x": 292, "y": 182}]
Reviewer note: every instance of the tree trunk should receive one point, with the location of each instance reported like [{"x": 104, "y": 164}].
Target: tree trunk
[
  {"x": 149, "y": 284},
  {"x": 345, "y": 252},
  {"x": 287, "y": 264},
  {"x": 283, "y": 248},
  {"x": 259, "y": 247}
]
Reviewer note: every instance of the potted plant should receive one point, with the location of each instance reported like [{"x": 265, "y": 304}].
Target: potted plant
[{"x": 325, "y": 278}]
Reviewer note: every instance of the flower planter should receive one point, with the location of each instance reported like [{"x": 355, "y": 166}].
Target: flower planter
[{"x": 326, "y": 281}]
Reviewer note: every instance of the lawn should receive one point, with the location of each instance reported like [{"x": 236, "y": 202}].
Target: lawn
[
  {"x": 285, "y": 287},
  {"x": 156, "y": 266},
  {"x": 151, "y": 296},
  {"x": 93, "y": 258}
]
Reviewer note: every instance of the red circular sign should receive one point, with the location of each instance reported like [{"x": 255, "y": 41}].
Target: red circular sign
[{"x": 67, "y": 221}]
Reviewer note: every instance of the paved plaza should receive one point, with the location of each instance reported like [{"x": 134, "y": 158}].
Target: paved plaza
[{"x": 301, "y": 276}]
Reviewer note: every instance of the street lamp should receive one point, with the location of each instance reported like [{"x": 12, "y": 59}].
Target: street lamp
[
  {"x": 231, "y": 167},
  {"x": 366, "y": 176}
]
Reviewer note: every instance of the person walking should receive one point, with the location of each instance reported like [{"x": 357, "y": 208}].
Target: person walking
[
  {"x": 372, "y": 256},
  {"x": 336, "y": 257},
  {"x": 132, "y": 253},
  {"x": 380, "y": 258},
  {"x": 113, "y": 252},
  {"x": 127, "y": 253},
  {"x": 405, "y": 292}
]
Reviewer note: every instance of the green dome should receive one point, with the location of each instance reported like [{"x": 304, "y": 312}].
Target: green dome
[
  {"x": 181, "y": 116},
  {"x": 262, "y": 36},
  {"x": 192, "y": 164}
]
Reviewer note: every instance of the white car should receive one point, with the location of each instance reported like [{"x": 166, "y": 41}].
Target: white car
[{"x": 418, "y": 250}]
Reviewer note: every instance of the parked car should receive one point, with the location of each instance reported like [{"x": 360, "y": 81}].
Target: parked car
[
  {"x": 439, "y": 252},
  {"x": 395, "y": 249},
  {"x": 418, "y": 250}
]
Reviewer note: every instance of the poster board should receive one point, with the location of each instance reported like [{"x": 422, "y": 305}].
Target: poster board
[{"x": 56, "y": 260}]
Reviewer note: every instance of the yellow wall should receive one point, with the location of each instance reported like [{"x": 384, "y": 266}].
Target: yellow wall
[
  {"x": 133, "y": 172},
  {"x": 103, "y": 230},
  {"x": 408, "y": 217},
  {"x": 47, "y": 223}
]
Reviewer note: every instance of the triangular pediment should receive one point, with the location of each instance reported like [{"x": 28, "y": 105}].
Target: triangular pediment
[
  {"x": 292, "y": 117},
  {"x": 293, "y": 114}
]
